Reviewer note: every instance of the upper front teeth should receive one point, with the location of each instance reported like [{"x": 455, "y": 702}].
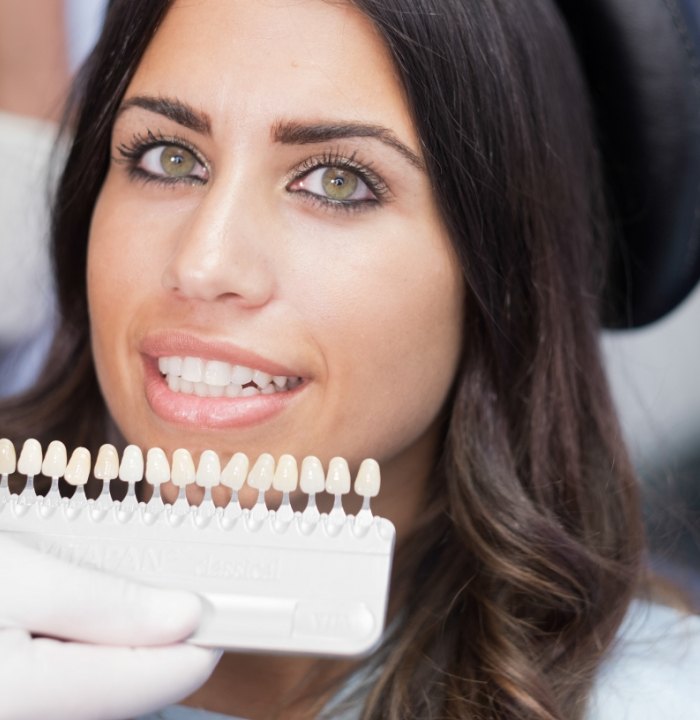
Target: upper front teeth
[{"x": 215, "y": 378}]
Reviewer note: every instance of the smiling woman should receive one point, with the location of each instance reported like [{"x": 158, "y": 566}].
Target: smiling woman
[{"x": 362, "y": 229}]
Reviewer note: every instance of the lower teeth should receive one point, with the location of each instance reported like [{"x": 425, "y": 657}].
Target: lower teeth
[{"x": 177, "y": 384}]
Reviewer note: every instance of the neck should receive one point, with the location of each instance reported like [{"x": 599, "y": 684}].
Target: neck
[{"x": 259, "y": 687}]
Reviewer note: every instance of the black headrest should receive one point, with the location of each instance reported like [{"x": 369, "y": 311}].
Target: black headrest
[{"x": 642, "y": 60}]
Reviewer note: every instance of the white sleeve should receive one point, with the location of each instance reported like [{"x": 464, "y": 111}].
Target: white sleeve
[
  {"x": 653, "y": 672},
  {"x": 26, "y": 146}
]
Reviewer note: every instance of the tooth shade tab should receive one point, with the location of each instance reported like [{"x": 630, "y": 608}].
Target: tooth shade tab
[
  {"x": 368, "y": 478},
  {"x": 157, "y": 467},
  {"x": 55, "y": 460},
  {"x": 8, "y": 457},
  {"x": 107, "y": 463},
  {"x": 234, "y": 474},
  {"x": 261, "y": 475},
  {"x": 338, "y": 478},
  {"x": 286, "y": 474},
  {"x": 312, "y": 478},
  {"x": 29, "y": 462},
  {"x": 208, "y": 470},
  {"x": 131, "y": 467},
  {"x": 78, "y": 468},
  {"x": 183, "y": 472}
]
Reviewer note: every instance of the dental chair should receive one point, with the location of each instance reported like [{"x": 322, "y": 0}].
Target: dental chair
[{"x": 642, "y": 61}]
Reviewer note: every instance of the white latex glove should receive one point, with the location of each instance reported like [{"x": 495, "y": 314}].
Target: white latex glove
[{"x": 118, "y": 654}]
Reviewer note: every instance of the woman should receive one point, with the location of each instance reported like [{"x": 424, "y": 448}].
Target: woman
[{"x": 395, "y": 207}]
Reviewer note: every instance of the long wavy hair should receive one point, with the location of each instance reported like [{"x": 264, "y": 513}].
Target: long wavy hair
[{"x": 514, "y": 586}]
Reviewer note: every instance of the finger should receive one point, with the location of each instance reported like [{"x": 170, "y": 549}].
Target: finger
[
  {"x": 70, "y": 681},
  {"x": 50, "y": 597}
]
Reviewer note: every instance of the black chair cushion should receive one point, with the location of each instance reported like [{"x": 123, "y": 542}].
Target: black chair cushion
[{"x": 642, "y": 61}]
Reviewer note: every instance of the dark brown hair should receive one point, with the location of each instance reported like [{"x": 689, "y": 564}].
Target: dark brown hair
[{"x": 516, "y": 583}]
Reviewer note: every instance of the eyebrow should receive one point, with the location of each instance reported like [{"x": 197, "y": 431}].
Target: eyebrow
[
  {"x": 285, "y": 132},
  {"x": 295, "y": 133},
  {"x": 174, "y": 110}
]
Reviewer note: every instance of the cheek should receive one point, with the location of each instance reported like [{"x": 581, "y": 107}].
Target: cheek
[
  {"x": 119, "y": 272},
  {"x": 392, "y": 340}
]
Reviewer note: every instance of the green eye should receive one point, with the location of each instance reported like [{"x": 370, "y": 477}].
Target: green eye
[
  {"x": 339, "y": 184},
  {"x": 168, "y": 163},
  {"x": 177, "y": 161}
]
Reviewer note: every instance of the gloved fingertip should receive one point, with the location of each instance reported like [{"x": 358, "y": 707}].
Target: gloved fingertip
[{"x": 172, "y": 615}]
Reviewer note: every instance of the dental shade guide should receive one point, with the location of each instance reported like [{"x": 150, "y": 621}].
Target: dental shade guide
[
  {"x": 29, "y": 464},
  {"x": 271, "y": 580}
]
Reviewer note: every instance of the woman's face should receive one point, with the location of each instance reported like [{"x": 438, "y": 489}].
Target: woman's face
[{"x": 266, "y": 211}]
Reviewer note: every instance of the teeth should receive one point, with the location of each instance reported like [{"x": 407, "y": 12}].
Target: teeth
[
  {"x": 201, "y": 389},
  {"x": 175, "y": 366},
  {"x": 260, "y": 477},
  {"x": 338, "y": 479},
  {"x": 208, "y": 470},
  {"x": 215, "y": 378},
  {"x": 55, "y": 460},
  {"x": 29, "y": 462},
  {"x": 183, "y": 472},
  {"x": 312, "y": 478},
  {"x": 8, "y": 458},
  {"x": 241, "y": 375},
  {"x": 235, "y": 472},
  {"x": 261, "y": 378},
  {"x": 78, "y": 468},
  {"x": 286, "y": 474},
  {"x": 157, "y": 467},
  {"x": 107, "y": 463},
  {"x": 217, "y": 373},
  {"x": 193, "y": 369},
  {"x": 131, "y": 468},
  {"x": 368, "y": 478}
]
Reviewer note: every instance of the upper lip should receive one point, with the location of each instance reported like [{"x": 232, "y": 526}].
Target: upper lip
[{"x": 183, "y": 344}]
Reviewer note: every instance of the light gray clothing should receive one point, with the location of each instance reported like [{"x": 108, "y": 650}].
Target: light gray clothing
[{"x": 651, "y": 674}]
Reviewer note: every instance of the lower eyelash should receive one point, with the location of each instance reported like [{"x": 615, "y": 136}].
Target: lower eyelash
[{"x": 348, "y": 206}]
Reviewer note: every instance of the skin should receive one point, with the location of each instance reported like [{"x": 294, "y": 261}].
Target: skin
[{"x": 366, "y": 305}]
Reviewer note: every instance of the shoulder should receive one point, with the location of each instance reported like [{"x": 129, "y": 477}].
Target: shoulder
[{"x": 652, "y": 672}]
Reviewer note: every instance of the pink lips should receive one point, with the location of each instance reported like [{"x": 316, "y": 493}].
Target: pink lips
[{"x": 208, "y": 412}]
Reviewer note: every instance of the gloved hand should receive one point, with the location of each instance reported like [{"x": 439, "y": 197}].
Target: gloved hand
[{"x": 78, "y": 644}]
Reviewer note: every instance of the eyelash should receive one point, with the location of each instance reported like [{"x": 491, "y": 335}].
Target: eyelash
[
  {"x": 133, "y": 152},
  {"x": 336, "y": 159}
]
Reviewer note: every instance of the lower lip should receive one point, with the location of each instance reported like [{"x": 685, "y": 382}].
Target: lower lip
[{"x": 213, "y": 413}]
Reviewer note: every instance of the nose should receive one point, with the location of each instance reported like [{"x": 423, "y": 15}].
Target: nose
[{"x": 219, "y": 251}]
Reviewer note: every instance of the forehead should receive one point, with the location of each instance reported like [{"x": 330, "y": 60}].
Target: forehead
[{"x": 243, "y": 60}]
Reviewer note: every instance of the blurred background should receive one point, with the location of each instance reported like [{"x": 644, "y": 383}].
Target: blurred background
[
  {"x": 653, "y": 370},
  {"x": 654, "y": 373}
]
